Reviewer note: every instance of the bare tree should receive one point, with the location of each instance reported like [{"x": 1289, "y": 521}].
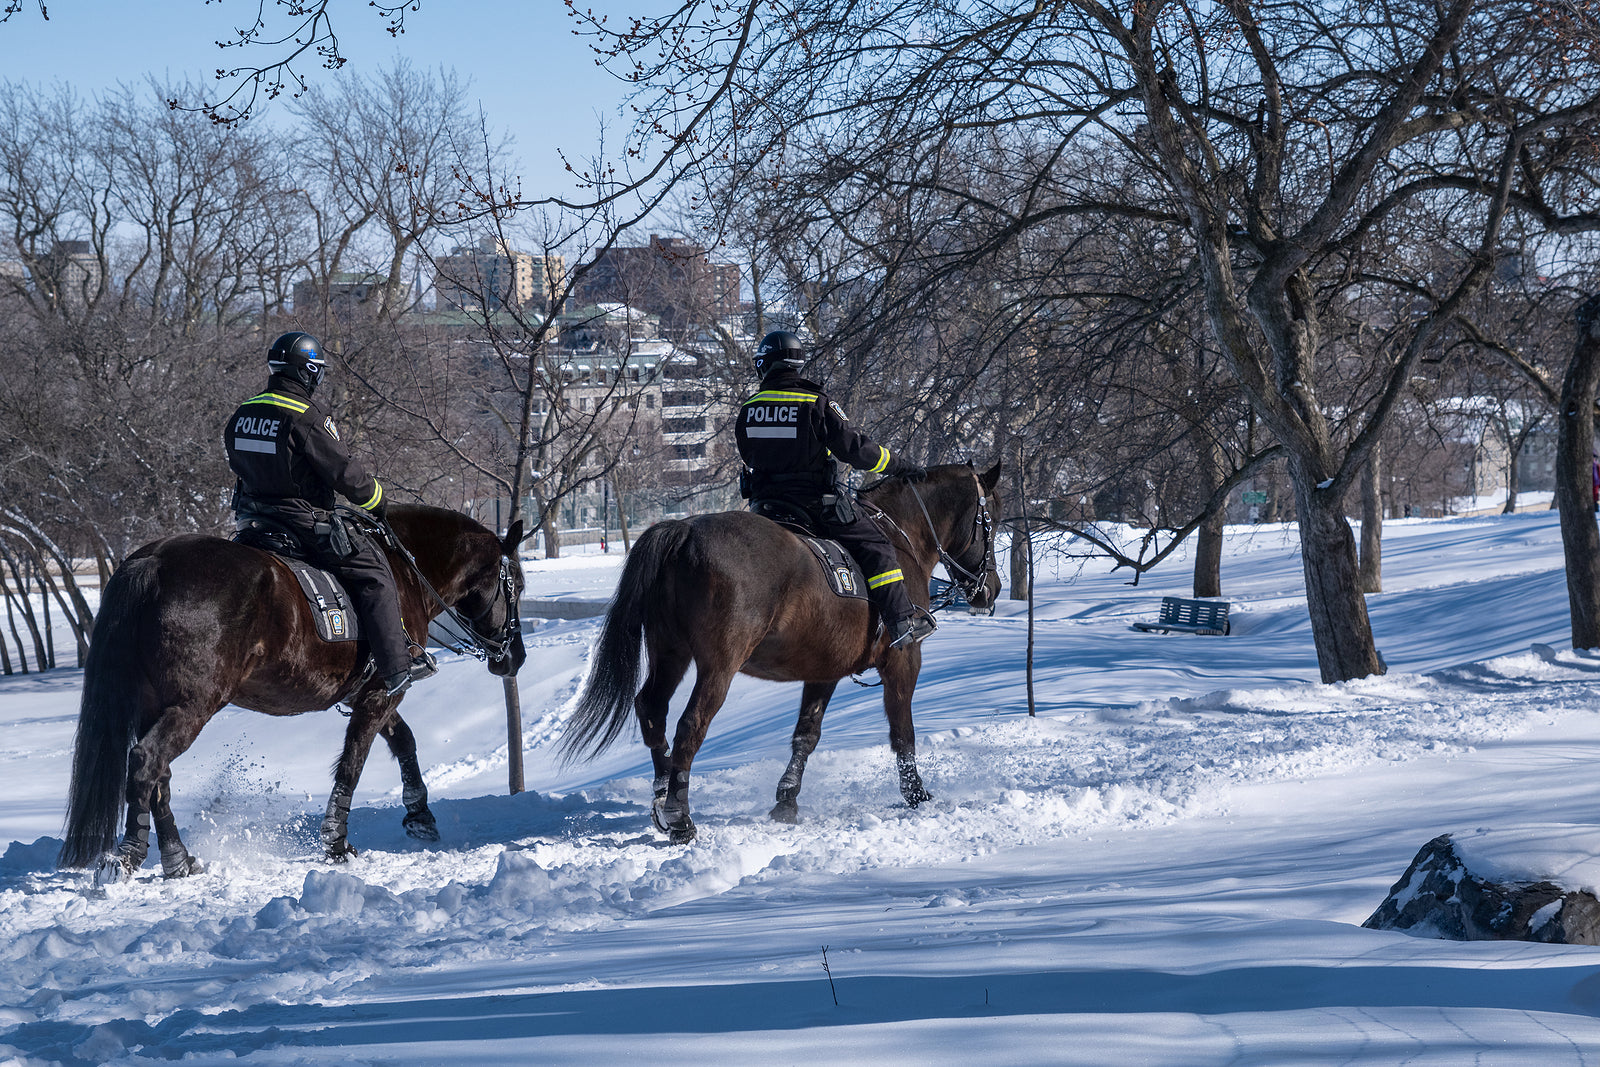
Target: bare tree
[
  {"x": 1574, "y": 489},
  {"x": 383, "y": 168},
  {"x": 1281, "y": 141}
]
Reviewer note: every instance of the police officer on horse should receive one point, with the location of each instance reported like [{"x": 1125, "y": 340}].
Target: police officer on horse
[
  {"x": 789, "y": 435},
  {"x": 290, "y": 463}
]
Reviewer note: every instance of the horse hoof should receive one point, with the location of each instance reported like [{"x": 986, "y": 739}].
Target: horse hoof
[
  {"x": 675, "y": 824},
  {"x": 188, "y": 866},
  {"x": 113, "y": 868},
  {"x": 421, "y": 827},
  {"x": 343, "y": 852},
  {"x": 785, "y": 811},
  {"x": 917, "y": 796}
]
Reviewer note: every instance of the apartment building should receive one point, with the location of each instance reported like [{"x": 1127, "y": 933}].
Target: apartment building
[
  {"x": 493, "y": 272},
  {"x": 672, "y": 278}
]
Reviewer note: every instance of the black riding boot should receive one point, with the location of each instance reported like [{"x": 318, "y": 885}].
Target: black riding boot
[
  {"x": 901, "y": 620},
  {"x": 422, "y": 666}
]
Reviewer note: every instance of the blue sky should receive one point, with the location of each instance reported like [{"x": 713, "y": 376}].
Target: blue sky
[{"x": 534, "y": 78}]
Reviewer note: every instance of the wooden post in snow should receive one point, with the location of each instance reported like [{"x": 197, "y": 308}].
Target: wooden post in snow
[{"x": 513, "y": 733}]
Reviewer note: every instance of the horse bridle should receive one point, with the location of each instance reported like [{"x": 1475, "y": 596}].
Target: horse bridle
[
  {"x": 496, "y": 649},
  {"x": 472, "y": 641},
  {"x": 970, "y": 584}
]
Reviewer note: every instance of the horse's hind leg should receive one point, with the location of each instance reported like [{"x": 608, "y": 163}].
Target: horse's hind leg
[
  {"x": 129, "y": 855},
  {"x": 814, "y": 699},
  {"x": 150, "y": 794},
  {"x": 671, "y": 813},
  {"x": 419, "y": 821},
  {"x": 667, "y": 668}
]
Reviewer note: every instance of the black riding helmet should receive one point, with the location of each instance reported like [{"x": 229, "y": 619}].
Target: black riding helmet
[
  {"x": 780, "y": 348},
  {"x": 297, "y": 355}
]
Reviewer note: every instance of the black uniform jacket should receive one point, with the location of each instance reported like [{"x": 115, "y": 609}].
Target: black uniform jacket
[
  {"x": 286, "y": 451},
  {"x": 790, "y": 433}
]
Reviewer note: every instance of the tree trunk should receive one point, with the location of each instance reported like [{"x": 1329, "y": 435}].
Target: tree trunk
[
  {"x": 29, "y": 619},
  {"x": 1513, "y": 474},
  {"x": 1372, "y": 522},
  {"x": 22, "y": 650},
  {"x": 1208, "y": 543},
  {"x": 622, "y": 524},
  {"x": 552, "y": 538},
  {"x": 11, "y": 620},
  {"x": 1339, "y": 623},
  {"x": 1020, "y": 586},
  {"x": 1580, "y": 540},
  {"x": 49, "y": 628},
  {"x": 1208, "y": 556}
]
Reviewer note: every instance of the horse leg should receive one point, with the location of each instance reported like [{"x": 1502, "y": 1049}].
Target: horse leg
[
  {"x": 129, "y": 855},
  {"x": 667, "y": 668},
  {"x": 368, "y": 717},
  {"x": 814, "y": 697},
  {"x": 671, "y": 813},
  {"x": 149, "y": 797},
  {"x": 176, "y": 862},
  {"x": 899, "y": 674},
  {"x": 419, "y": 821}
]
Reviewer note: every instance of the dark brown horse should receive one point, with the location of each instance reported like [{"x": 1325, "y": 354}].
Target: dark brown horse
[
  {"x": 188, "y": 624},
  {"x": 734, "y": 592}
]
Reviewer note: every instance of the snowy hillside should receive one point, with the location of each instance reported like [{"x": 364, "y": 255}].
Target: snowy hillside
[{"x": 1169, "y": 865}]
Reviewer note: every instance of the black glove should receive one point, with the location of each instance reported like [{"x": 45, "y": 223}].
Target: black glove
[
  {"x": 912, "y": 473},
  {"x": 380, "y": 511}
]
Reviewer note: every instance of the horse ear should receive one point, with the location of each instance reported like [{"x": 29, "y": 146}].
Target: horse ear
[
  {"x": 990, "y": 478},
  {"x": 513, "y": 538}
]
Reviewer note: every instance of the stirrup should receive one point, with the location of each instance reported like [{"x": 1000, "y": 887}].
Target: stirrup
[
  {"x": 423, "y": 666},
  {"x": 911, "y": 630}
]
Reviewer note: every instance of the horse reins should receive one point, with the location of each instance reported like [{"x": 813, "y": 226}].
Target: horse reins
[
  {"x": 970, "y": 584},
  {"x": 474, "y": 643},
  {"x": 496, "y": 648}
]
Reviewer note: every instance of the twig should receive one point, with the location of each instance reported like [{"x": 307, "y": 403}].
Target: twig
[{"x": 829, "y": 972}]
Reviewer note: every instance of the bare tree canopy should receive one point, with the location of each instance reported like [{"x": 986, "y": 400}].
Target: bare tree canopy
[{"x": 1316, "y": 166}]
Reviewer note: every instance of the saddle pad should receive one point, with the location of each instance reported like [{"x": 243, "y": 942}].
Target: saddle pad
[
  {"x": 330, "y": 604},
  {"x": 844, "y": 575}
]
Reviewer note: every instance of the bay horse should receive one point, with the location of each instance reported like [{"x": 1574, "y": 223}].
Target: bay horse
[
  {"x": 734, "y": 593},
  {"x": 191, "y": 623}
]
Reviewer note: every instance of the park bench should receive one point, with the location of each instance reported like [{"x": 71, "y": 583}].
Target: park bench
[{"x": 1189, "y": 616}]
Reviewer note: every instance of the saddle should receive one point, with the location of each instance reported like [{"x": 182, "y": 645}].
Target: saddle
[
  {"x": 330, "y": 604},
  {"x": 844, "y": 573},
  {"x": 838, "y": 566}
]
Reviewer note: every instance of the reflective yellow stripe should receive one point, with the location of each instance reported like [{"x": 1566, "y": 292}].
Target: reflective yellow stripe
[
  {"x": 883, "y": 461},
  {"x": 772, "y": 394},
  {"x": 377, "y": 495},
  {"x": 886, "y": 578},
  {"x": 278, "y": 400}
]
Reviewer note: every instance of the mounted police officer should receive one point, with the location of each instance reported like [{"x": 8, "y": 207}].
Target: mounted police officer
[
  {"x": 286, "y": 451},
  {"x": 789, "y": 435}
]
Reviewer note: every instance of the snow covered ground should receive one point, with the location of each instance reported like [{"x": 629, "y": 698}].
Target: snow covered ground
[{"x": 1169, "y": 865}]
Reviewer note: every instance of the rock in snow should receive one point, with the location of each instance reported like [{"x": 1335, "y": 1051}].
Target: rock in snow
[{"x": 1443, "y": 895}]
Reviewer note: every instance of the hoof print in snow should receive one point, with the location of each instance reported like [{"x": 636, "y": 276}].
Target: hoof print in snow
[{"x": 1439, "y": 896}]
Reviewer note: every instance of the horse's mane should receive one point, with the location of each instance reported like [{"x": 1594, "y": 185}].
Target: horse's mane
[
  {"x": 420, "y": 517},
  {"x": 429, "y": 511},
  {"x": 938, "y": 477}
]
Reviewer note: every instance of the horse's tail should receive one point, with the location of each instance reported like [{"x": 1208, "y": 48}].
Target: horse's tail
[
  {"x": 107, "y": 714},
  {"x": 606, "y": 703}
]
